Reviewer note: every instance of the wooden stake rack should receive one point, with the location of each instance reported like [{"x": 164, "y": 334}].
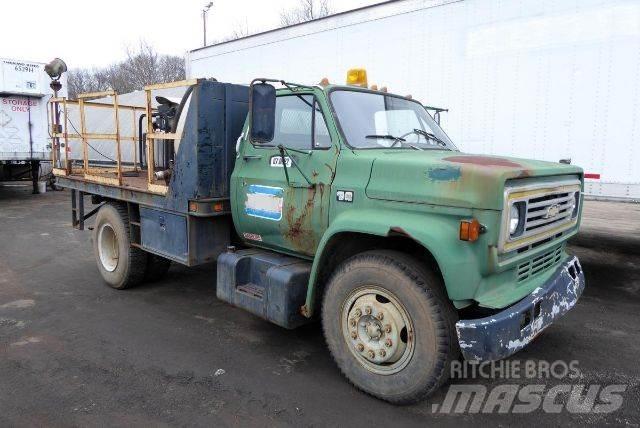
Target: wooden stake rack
[{"x": 110, "y": 175}]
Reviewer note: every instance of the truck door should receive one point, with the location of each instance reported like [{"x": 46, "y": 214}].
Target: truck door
[{"x": 291, "y": 215}]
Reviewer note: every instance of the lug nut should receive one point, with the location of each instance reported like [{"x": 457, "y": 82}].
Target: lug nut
[
  {"x": 387, "y": 328},
  {"x": 352, "y": 321},
  {"x": 371, "y": 354},
  {"x": 367, "y": 310},
  {"x": 380, "y": 316},
  {"x": 360, "y": 347},
  {"x": 388, "y": 343},
  {"x": 354, "y": 335},
  {"x": 358, "y": 313},
  {"x": 383, "y": 353}
]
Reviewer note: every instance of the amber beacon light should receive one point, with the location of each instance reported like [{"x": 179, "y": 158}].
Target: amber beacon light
[{"x": 357, "y": 77}]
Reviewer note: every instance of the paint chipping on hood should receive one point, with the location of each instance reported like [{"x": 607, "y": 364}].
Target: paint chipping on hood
[{"x": 457, "y": 180}]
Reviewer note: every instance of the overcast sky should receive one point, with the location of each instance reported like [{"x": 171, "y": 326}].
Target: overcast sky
[{"x": 93, "y": 34}]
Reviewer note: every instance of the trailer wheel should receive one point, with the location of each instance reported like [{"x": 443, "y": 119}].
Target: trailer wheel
[
  {"x": 157, "y": 267},
  {"x": 121, "y": 265},
  {"x": 389, "y": 326}
]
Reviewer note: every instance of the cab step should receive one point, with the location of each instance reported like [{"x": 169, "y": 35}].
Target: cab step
[{"x": 267, "y": 284}]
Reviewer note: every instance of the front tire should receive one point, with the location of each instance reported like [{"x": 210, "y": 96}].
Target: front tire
[
  {"x": 389, "y": 326},
  {"x": 121, "y": 265}
]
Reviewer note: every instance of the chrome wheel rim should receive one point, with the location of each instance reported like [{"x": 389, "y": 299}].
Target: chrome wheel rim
[
  {"x": 378, "y": 330},
  {"x": 108, "y": 247}
]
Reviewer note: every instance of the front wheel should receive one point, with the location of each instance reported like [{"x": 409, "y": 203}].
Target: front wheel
[{"x": 389, "y": 326}]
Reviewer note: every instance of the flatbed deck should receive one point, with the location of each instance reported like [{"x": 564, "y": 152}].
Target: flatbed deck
[
  {"x": 132, "y": 178},
  {"x": 103, "y": 182}
]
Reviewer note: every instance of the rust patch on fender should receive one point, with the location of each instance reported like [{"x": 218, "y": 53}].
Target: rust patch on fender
[
  {"x": 396, "y": 230},
  {"x": 483, "y": 161}
]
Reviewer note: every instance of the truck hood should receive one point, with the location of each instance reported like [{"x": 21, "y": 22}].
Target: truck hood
[{"x": 452, "y": 178}]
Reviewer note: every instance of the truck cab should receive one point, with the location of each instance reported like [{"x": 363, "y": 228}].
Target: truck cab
[
  {"x": 349, "y": 171},
  {"x": 351, "y": 205}
]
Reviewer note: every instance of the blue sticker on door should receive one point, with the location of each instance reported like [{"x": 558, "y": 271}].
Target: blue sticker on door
[{"x": 264, "y": 202}]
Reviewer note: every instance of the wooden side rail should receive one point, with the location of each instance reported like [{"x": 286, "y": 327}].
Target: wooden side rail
[{"x": 61, "y": 132}]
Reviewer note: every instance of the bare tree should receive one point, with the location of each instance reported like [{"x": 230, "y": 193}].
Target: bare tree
[
  {"x": 306, "y": 11},
  {"x": 240, "y": 30},
  {"x": 143, "y": 66},
  {"x": 81, "y": 80},
  {"x": 171, "y": 68}
]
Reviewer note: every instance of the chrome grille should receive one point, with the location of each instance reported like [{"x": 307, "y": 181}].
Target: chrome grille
[
  {"x": 538, "y": 264},
  {"x": 547, "y": 208}
]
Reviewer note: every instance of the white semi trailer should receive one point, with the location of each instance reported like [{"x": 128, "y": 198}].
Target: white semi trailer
[
  {"x": 536, "y": 79},
  {"x": 24, "y": 136}
]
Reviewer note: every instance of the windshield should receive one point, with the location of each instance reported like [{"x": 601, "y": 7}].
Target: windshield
[{"x": 373, "y": 120}]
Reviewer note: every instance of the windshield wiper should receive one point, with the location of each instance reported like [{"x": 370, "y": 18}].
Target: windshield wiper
[
  {"x": 430, "y": 136},
  {"x": 387, "y": 137}
]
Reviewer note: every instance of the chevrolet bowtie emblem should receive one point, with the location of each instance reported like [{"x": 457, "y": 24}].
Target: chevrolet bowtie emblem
[{"x": 552, "y": 211}]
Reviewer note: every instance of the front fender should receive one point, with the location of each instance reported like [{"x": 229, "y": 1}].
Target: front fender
[{"x": 436, "y": 232}]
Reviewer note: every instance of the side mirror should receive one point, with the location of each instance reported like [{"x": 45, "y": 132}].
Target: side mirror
[
  {"x": 436, "y": 117},
  {"x": 263, "y": 112}
]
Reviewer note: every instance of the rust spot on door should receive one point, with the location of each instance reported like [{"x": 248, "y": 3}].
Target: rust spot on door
[{"x": 299, "y": 224}]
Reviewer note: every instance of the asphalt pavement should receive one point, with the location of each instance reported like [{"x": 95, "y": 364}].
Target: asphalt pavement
[{"x": 74, "y": 352}]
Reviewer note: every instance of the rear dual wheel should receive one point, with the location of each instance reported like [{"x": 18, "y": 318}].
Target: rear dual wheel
[
  {"x": 389, "y": 326},
  {"x": 120, "y": 264}
]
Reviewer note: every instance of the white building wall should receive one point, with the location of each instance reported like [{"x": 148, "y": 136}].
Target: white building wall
[{"x": 543, "y": 79}]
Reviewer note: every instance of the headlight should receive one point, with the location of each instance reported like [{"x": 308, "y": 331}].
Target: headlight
[{"x": 514, "y": 219}]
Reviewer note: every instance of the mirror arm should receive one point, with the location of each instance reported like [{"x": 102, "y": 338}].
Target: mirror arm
[
  {"x": 283, "y": 151},
  {"x": 304, "y": 152},
  {"x": 284, "y": 163}
]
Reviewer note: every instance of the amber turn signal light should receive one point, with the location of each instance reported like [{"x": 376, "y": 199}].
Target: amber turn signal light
[{"x": 470, "y": 230}]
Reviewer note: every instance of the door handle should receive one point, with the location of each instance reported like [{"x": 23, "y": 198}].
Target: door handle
[{"x": 249, "y": 157}]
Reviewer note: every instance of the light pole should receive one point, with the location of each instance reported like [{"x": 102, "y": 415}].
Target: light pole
[
  {"x": 55, "y": 69},
  {"x": 204, "y": 22}
]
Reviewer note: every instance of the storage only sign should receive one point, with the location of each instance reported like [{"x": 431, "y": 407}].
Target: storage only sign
[{"x": 23, "y": 110}]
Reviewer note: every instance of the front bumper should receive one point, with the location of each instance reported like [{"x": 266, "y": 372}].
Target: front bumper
[{"x": 505, "y": 333}]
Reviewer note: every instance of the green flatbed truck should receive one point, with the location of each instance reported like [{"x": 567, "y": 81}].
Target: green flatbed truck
[{"x": 352, "y": 206}]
